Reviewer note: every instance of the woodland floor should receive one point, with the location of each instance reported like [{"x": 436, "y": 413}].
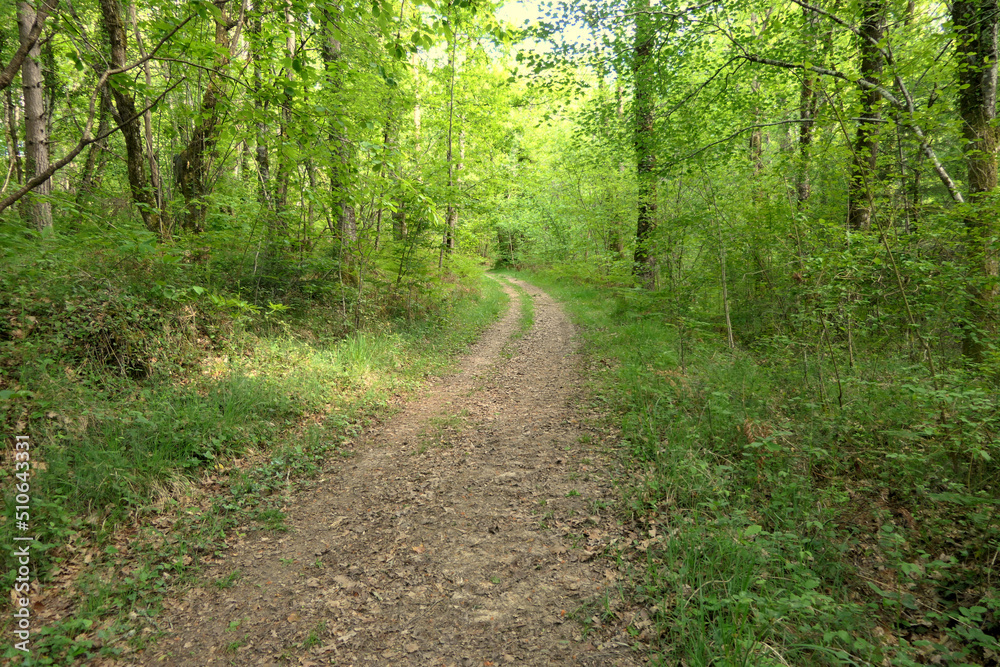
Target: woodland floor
[{"x": 468, "y": 529}]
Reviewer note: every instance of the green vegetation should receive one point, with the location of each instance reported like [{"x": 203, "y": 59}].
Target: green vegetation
[
  {"x": 777, "y": 222},
  {"x": 775, "y": 520},
  {"x": 159, "y": 399}
]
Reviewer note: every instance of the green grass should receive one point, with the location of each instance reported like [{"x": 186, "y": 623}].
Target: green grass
[
  {"x": 527, "y": 307},
  {"x": 153, "y": 394},
  {"x": 758, "y": 496}
]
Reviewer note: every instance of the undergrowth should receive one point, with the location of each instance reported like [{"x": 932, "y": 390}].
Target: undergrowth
[
  {"x": 790, "y": 513},
  {"x": 167, "y": 405}
]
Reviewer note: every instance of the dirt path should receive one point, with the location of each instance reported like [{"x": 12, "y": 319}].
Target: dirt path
[{"x": 466, "y": 531}]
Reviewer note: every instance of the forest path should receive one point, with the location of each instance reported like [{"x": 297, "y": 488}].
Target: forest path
[{"x": 467, "y": 530}]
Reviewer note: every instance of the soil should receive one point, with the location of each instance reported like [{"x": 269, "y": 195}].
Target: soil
[{"x": 468, "y": 529}]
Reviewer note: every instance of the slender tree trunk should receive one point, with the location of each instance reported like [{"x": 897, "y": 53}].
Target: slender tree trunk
[
  {"x": 10, "y": 113},
  {"x": 453, "y": 184},
  {"x": 90, "y": 177},
  {"x": 861, "y": 184},
  {"x": 260, "y": 152},
  {"x": 808, "y": 107},
  {"x": 756, "y": 143},
  {"x": 977, "y": 50},
  {"x": 128, "y": 118},
  {"x": 645, "y": 142},
  {"x": 451, "y": 215},
  {"x": 346, "y": 221},
  {"x": 283, "y": 177},
  {"x": 36, "y": 142},
  {"x": 399, "y": 227},
  {"x": 147, "y": 117}
]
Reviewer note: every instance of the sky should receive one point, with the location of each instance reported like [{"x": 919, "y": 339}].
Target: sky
[{"x": 518, "y": 11}]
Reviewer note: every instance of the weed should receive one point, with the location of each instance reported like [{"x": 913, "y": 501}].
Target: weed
[
  {"x": 229, "y": 580},
  {"x": 272, "y": 519},
  {"x": 315, "y": 635}
]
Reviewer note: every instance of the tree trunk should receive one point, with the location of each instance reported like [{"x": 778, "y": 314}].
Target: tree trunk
[
  {"x": 399, "y": 226},
  {"x": 808, "y": 107},
  {"x": 452, "y": 220},
  {"x": 861, "y": 182},
  {"x": 128, "y": 118},
  {"x": 90, "y": 177},
  {"x": 260, "y": 152},
  {"x": 976, "y": 46},
  {"x": 756, "y": 143},
  {"x": 28, "y": 40},
  {"x": 346, "y": 230},
  {"x": 36, "y": 144},
  {"x": 283, "y": 177},
  {"x": 451, "y": 215},
  {"x": 10, "y": 113},
  {"x": 147, "y": 117},
  {"x": 645, "y": 143},
  {"x": 193, "y": 164}
]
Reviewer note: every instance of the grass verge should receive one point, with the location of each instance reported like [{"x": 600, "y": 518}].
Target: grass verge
[
  {"x": 782, "y": 519},
  {"x": 527, "y": 306},
  {"x": 175, "y": 414}
]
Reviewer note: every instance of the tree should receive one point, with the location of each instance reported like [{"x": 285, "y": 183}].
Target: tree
[
  {"x": 28, "y": 38},
  {"x": 808, "y": 107},
  {"x": 976, "y": 49},
  {"x": 451, "y": 216},
  {"x": 192, "y": 165},
  {"x": 644, "y": 112},
  {"x": 36, "y": 145},
  {"x": 861, "y": 181},
  {"x": 143, "y": 191}
]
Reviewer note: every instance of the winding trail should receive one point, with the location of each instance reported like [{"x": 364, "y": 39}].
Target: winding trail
[{"x": 467, "y": 530}]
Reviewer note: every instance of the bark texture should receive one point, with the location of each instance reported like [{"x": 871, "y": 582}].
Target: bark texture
[
  {"x": 808, "y": 107},
  {"x": 192, "y": 166},
  {"x": 129, "y": 120},
  {"x": 36, "y": 141},
  {"x": 645, "y": 143},
  {"x": 28, "y": 40},
  {"x": 976, "y": 50},
  {"x": 861, "y": 183}
]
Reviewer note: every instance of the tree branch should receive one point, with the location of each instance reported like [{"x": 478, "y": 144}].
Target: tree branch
[
  {"x": 673, "y": 15},
  {"x": 701, "y": 87},
  {"x": 85, "y": 141},
  {"x": 906, "y": 105},
  {"x": 736, "y": 134},
  {"x": 10, "y": 71}
]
